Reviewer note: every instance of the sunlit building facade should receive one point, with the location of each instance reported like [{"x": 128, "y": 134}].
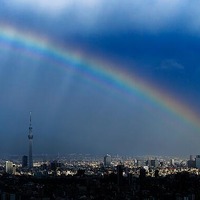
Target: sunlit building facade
[{"x": 10, "y": 167}]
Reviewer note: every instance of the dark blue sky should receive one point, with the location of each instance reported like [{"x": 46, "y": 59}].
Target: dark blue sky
[{"x": 157, "y": 41}]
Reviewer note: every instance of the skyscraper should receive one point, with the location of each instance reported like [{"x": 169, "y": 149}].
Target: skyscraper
[
  {"x": 24, "y": 161},
  {"x": 107, "y": 160},
  {"x": 9, "y": 167},
  {"x": 197, "y": 160},
  {"x": 30, "y": 138}
]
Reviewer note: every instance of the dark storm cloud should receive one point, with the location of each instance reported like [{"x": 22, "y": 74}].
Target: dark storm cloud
[
  {"x": 141, "y": 31},
  {"x": 94, "y": 16}
]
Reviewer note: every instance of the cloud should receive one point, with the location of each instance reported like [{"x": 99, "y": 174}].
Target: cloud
[
  {"x": 53, "y": 8},
  {"x": 103, "y": 15},
  {"x": 171, "y": 64},
  {"x": 42, "y": 6}
]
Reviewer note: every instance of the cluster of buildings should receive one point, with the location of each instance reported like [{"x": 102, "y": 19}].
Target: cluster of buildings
[
  {"x": 110, "y": 177},
  {"x": 105, "y": 178},
  {"x": 194, "y": 162},
  {"x": 129, "y": 163},
  {"x": 95, "y": 166}
]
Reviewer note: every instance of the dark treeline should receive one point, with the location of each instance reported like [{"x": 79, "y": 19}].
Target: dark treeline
[{"x": 113, "y": 186}]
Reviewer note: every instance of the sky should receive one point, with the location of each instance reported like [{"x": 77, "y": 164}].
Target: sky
[{"x": 139, "y": 96}]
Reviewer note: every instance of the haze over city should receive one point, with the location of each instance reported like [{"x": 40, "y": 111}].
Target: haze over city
[{"x": 100, "y": 77}]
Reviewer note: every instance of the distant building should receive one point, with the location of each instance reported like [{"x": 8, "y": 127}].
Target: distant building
[
  {"x": 162, "y": 163},
  {"x": 172, "y": 162},
  {"x": 191, "y": 157},
  {"x": 141, "y": 163},
  {"x": 10, "y": 167},
  {"x": 197, "y": 161},
  {"x": 25, "y": 161},
  {"x": 154, "y": 163},
  {"x": 191, "y": 163},
  {"x": 107, "y": 160},
  {"x": 54, "y": 165},
  {"x": 14, "y": 169}
]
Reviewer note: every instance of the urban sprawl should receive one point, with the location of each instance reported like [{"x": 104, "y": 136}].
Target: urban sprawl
[{"x": 78, "y": 176}]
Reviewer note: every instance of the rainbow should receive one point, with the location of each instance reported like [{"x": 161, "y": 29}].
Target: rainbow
[{"x": 38, "y": 46}]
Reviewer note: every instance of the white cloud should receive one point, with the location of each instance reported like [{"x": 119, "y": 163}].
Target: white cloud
[
  {"x": 54, "y": 7},
  {"x": 171, "y": 64},
  {"x": 46, "y": 6}
]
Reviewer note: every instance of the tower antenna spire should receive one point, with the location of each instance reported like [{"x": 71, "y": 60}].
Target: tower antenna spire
[
  {"x": 30, "y": 118},
  {"x": 30, "y": 138}
]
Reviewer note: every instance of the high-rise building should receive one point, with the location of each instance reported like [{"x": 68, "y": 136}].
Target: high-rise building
[
  {"x": 14, "y": 169},
  {"x": 197, "y": 161},
  {"x": 107, "y": 160},
  {"x": 25, "y": 161},
  {"x": 30, "y": 138},
  {"x": 172, "y": 162},
  {"x": 10, "y": 167},
  {"x": 54, "y": 165},
  {"x": 154, "y": 163},
  {"x": 191, "y": 163}
]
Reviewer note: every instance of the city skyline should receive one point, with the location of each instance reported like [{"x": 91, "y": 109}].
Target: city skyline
[{"x": 99, "y": 77}]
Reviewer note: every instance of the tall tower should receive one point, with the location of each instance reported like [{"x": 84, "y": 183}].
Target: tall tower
[{"x": 30, "y": 138}]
